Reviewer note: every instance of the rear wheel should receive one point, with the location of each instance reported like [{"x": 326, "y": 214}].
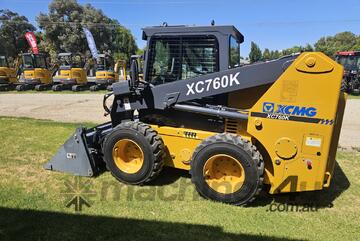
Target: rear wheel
[
  {"x": 228, "y": 169},
  {"x": 134, "y": 153}
]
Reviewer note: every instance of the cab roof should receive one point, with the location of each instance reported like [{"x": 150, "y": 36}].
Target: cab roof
[
  {"x": 64, "y": 54},
  {"x": 348, "y": 53},
  {"x": 183, "y": 30}
]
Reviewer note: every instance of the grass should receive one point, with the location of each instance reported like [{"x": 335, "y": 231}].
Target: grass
[
  {"x": 32, "y": 201},
  {"x": 353, "y": 96}
]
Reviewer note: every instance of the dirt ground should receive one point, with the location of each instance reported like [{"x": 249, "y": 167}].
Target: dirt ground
[{"x": 88, "y": 108}]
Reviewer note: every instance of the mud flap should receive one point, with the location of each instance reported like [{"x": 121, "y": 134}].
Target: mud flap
[{"x": 74, "y": 156}]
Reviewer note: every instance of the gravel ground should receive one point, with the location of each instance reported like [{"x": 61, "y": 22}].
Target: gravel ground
[{"x": 88, "y": 108}]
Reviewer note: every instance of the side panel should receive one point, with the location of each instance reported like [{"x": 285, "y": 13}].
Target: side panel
[
  {"x": 43, "y": 74},
  {"x": 295, "y": 119},
  {"x": 180, "y": 144},
  {"x": 79, "y": 74},
  {"x": 8, "y": 73}
]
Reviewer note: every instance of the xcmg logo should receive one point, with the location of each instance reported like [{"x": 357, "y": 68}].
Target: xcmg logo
[{"x": 269, "y": 107}]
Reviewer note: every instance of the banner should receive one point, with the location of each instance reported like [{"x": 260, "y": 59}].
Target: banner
[
  {"x": 91, "y": 43},
  {"x": 31, "y": 39}
]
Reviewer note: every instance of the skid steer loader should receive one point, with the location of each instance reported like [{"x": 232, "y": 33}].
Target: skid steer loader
[
  {"x": 235, "y": 128},
  {"x": 71, "y": 73},
  {"x": 35, "y": 73},
  {"x": 8, "y": 75},
  {"x": 108, "y": 72}
]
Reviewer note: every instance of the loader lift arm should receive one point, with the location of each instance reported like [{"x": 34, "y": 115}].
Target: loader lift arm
[{"x": 174, "y": 94}]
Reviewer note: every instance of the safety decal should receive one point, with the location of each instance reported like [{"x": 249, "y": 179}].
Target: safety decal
[
  {"x": 305, "y": 114},
  {"x": 327, "y": 122}
]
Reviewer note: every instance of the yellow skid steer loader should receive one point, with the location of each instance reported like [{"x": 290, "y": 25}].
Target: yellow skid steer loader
[{"x": 234, "y": 128}]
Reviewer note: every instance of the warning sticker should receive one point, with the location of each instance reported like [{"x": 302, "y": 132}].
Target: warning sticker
[
  {"x": 313, "y": 141},
  {"x": 127, "y": 105}
]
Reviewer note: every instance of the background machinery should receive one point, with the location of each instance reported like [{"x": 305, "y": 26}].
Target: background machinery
[
  {"x": 35, "y": 72},
  {"x": 140, "y": 63},
  {"x": 235, "y": 129},
  {"x": 108, "y": 72},
  {"x": 8, "y": 75},
  {"x": 351, "y": 62},
  {"x": 71, "y": 73}
]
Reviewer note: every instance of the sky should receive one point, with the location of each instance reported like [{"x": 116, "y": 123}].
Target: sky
[{"x": 273, "y": 24}]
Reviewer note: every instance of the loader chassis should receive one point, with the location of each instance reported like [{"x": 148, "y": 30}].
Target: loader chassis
[{"x": 233, "y": 127}]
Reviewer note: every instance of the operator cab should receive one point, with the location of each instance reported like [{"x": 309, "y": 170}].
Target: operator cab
[
  {"x": 182, "y": 52},
  {"x": 104, "y": 63},
  {"x": 68, "y": 61},
  {"x": 3, "y": 61},
  {"x": 32, "y": 61}
]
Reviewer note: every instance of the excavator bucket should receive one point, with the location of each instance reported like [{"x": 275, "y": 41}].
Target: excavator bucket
[{"x": 78, "y": 155}]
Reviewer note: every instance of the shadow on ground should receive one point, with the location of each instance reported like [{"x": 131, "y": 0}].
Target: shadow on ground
[
  {"x": 321, "y": 199},
  {"x": 40, "y": 225},
  {"x": 168, "y": 176}
]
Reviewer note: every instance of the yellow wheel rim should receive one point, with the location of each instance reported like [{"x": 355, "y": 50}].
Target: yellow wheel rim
[
  {"x": 128, "y": 156},
  {"x": 224, "y": 173}
]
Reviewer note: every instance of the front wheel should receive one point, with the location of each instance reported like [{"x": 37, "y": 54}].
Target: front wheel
[
  {"x": 227, "y": 168},
  {"x": 134, "y": 153}
]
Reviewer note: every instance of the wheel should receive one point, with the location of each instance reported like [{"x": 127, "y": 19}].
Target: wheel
[
  {"x": 40, "y": 87},
  {"x": 345, "y": 86},
  {"x": 94, "y": 88},
  {"x": 75, "y": 88},
  {"x": 56, "y": 87},
  {"x": 20, "y": 88},
  {"x": 134, "y": 153},
  {"x": 227, "y": 168}
]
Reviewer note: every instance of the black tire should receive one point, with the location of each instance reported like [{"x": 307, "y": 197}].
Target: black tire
[
  {"x": 345, "y": 86},
  {"x": 75, "y": 88},
  {"x": 150, "y": 143},
  {"x": 240, "y": 149},
  {"x": 94, "y": 88},
  {"x": 56, "y": 88},
  {"x": 40, "y": 87}
]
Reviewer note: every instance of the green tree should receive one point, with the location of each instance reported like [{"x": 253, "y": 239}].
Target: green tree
[
  {"x": 123, "y": 42},
  {"x": 12, "y": 32},
  {"x": 255, "y": 53},
  {"x": 308, "y": 48},
  {"x": 266, "y": 54},
  {"x": 274, "y": 54},
  {"x": 63, "y": 30},
  {"x": 343, "y": 41},
  {"x": 292, "y": 50}
]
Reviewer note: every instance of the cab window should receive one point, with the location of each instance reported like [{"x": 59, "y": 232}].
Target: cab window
[
  {"x": 234, "y": 53},
  {"x": 28, "y": 62},
  {"x": 174, "y": 58}
]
